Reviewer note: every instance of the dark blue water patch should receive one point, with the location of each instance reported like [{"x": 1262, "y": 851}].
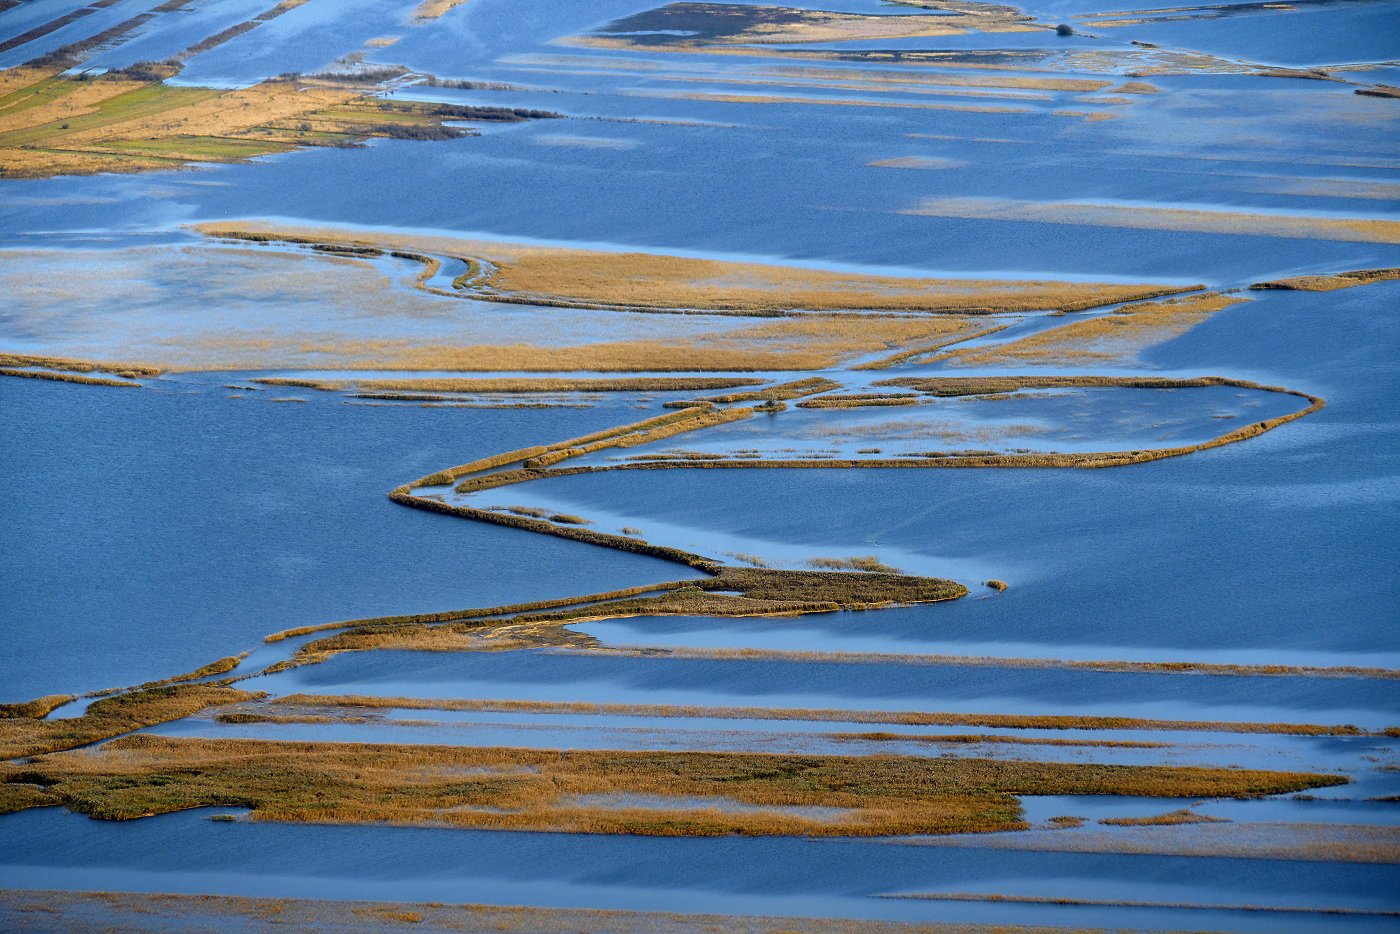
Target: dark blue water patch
[
  {"x": 576, "y": 676},
  {"x": 154, "y": 530},
  {"x": 185, "y": 853}
]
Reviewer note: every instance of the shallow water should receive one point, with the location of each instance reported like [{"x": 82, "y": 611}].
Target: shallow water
[
  {"x": 831, "y": 878},
  {"x": 170, "y": 526},
  {"x": 156, "y": 530}
]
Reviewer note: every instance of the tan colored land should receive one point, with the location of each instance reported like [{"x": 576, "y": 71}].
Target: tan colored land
[
  {"x": 1342, "y": 280},
  {"x": 698, "y": 27},
  {"x": 32, "y": 912},
  {"x": 588, "y": 792},
  {"x": 509, "y": 385},
  {"x": 55, "y": 125},
  {"x": 901, "y": 717},
  {"x": 809, "y": 75},
  {"x": 432, "y": 9},
  {"x": 1294, "y": 226},
  {"x": 29, "y": 734},
  {"x": 1115, "y": 337},
  {"x": 652, "y": 281},
  {"x": 791, "y": 343}
]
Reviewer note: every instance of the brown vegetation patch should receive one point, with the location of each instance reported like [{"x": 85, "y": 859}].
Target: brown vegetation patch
[
  {"x": 1118, "y": 335},
  {"x": 40, "y": 911},
  {"x": 729, "y": 592},
  {"x": 1326, "y": 283},
  {"x": 127, "y": 370},
  {"x": 112, "y": 716},
  {"x": 507, "y": 385},
  {"x": 1183, "y": 816},
  {"x": 908, "y": 718},
  {"x": 656, "y": 282},
  {"x": 698, "y": 26},
  {"x": 519, "y": 789}
]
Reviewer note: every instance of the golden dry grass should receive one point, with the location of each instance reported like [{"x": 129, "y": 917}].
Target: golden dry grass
[
  {"x": 651, "y": 281},
  {"x": 1299, "y": 226},
  {"x": 1117, "y": 336},
  {"x": 65, "y": 377},
  {"x": 729, "y": 592},
  {"x": 507, "y": 385},
  {"x": 1183, "y": 816},
  {"x": 121, "y": 123},
  {"x": 518, "y": 789},
  {"x": 77, "y": 366},
  {"x": 70, "y": 911},
  {"x": 1330, "y": 283},
  {"x": 111, "y": 716}
]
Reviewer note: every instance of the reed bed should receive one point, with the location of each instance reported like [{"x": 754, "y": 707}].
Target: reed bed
[
  {"x": 1120, "y": 334},
  {"x": 227, "y": 912},
  {"x": 112, "y": 716},
  {"x": 1171, "y": 818},
  {"x": 127, "y": 370},
  {"x": 1329, "y": 283},
  {"x": 67, "y": 378},
  {"x": 859, "y": 401},
  {"x": 531, "y": 385},
  {"x": 729, "y": 592},
  {"x": 902, "y": 717},
  {"x": 519, "y": 789},
  {"x": 36, "y": 709},
  {"x": 655, "y": 282},
  {"x": 992, "y": 661}
]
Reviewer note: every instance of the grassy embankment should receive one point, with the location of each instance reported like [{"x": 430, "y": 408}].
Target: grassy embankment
[
  {"x": 629, "y": 281},
  {"x": 1118, "y": 335},
  {"x": 28, "y": 734},
  {"x": 518, "y": 789},
  {"x": 38, "y": 912},
  {"x": 1330, "y": 283},
  {"x": 69, "y": 370},
  {"x": 54, "y": 121},
  {"x": 897, "y": 717}
]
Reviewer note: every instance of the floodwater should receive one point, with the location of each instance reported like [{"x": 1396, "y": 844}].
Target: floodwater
[{"x": 150, "y": 531}]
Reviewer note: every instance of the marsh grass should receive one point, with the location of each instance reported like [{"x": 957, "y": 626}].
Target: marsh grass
[
  {"x": 112, "y": 716},
  {"x": 870, "y": 563},
  {"x": 903, "y": 717},
  {"x": 1329, "y": 283},
  {"x": 657, "y": 282},
  {"x": 519, "y": 789},
  {"x": 37, "y": 709},
  {"x": 729, "y": 592},
  {"x": 1120, "y": 334},
  {"x": 1171, "y": 818},
  {"x": 69, "y": 909},
  {"x": 70, "y": 364},
  {"x": 994, "y": 661},
  {"x": 66, "y": 378}
]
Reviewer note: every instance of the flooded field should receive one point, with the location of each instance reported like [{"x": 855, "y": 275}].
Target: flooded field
[{"x": 638, "y": 466}]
